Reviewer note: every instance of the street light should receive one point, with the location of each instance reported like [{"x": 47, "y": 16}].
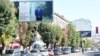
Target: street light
[{"x": 82, "y": 45}]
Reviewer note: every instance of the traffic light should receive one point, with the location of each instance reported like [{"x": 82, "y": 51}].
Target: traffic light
[{"x": 97, "y": 30}]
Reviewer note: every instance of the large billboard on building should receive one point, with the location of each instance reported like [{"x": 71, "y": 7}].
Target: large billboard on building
[
  {"x": 85, "y": 33},
  {"x": 37, "y": 10}
]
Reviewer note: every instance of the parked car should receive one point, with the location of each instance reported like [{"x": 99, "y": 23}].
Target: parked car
[
  {"x": 8, "y": 53},
  {"x": 44, "y": 52},
  {"x": 66, "y": 50},
  {"x": 16, "y": 52},
  {"x": 77, "y": 49},
  {"x": 25, "y": 53},
  {"x": 51, "y": 53},
  {"x": 57, "y": 51},
  {"x": 35, "y": 53}
]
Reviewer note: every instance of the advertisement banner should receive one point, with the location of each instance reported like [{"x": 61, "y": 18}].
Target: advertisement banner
[
  {"x": 85, "y": 33},
  {"x": 24, "y": 11},
  {"x": 30, "y": 0},
  {"x": 33, "y": 11}
]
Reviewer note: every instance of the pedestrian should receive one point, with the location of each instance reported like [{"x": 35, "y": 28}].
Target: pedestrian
[
  {"x": 0, "y": 49},
  {"x": 1, "y": 46}
]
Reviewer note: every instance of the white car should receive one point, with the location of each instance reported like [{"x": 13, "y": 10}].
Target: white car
[
  {"x": 44, "y": 52},
  {"x": 16, "y": 52}
]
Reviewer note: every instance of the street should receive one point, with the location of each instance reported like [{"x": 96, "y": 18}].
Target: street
[
  {"x": 92, "y": 54},
  {"x": 78, "y": 54},
  {"x": 84, "y": 54},
  {"x": 72, "y": 54}
]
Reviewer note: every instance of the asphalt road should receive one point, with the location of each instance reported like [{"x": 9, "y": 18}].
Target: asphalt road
[
  {"x": 73, "y": 54},
  {"x": 92, "y": 54},
  {"x": 11, "y": 55}
]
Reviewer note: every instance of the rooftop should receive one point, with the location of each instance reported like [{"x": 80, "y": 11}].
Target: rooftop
[{"x": 60, "y": 16}]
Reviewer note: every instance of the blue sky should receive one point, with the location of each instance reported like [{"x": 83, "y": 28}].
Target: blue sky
[{"x": 75, "y": 9}]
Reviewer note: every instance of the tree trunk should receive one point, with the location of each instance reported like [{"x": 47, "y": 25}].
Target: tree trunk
[{"x": 72, "y": 49}]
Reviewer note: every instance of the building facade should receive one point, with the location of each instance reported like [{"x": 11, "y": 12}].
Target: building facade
[
  {"x": 83, "y": 24},
  {"x": 84, "y": 27},
  {"x": 59, "y": 20}
]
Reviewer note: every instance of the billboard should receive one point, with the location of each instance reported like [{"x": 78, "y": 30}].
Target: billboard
[
  {"x": 35, "y": 10},
  {"x": 85, "y": 33},
  {"x": 30, "y": 0}
]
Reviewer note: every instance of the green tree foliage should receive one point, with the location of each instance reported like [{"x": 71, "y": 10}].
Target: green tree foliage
[
  {"x": 26, "y": 33},
  {"x": 32, "y": 27},
  {"x": 8, "y": 22},
  {"x": 7, "y": 17},
  {"x": 87, "y": 43},
  {"x": 73, "y": 35},
  {"x": 63, "y": 40},
  {"x": 50, "y": 33}
]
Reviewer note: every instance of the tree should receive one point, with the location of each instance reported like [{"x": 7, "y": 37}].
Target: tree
[
  {"x": 50, "y": 33},
  {"x": 32, "y": 29},
  {"x": 87, "y": 43},
  {"x": 73, "y": 36},
  {"x": 44, "y": 30},
  {"x": 26, "y": 33},
  {"x": 22, "y": 31},
  {"x": 63, "y": 40},
  {"x": 8, "y": 22},
  {"x": 7, "y": 17}
]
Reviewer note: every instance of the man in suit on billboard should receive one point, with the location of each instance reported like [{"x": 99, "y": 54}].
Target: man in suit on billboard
[{"x": 39, "y": 14}]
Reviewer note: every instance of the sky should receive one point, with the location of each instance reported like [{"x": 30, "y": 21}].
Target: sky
[{"x": 75, "y": 9}]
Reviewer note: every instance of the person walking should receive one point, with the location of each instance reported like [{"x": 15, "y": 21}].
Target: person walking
[
  {"x": 1, "y": 46},
  {"x": 0, "y": 49}
]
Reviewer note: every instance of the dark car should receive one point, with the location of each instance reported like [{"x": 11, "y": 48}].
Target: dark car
[
  {"x": 14, "y": 52},
  {"x": 66, "y": 50}
]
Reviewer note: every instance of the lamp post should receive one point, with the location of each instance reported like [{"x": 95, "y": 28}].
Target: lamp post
[{"x": 82, "y": 45}]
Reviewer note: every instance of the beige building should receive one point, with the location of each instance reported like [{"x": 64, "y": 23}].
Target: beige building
[{"x": 59, "y": 20}]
